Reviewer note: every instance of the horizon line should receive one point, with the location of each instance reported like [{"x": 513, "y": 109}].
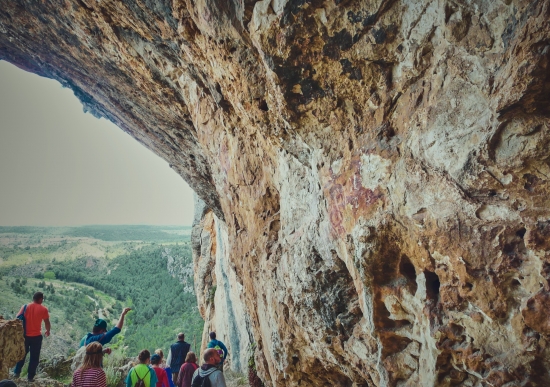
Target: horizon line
[{"x": 102, "y": 225}]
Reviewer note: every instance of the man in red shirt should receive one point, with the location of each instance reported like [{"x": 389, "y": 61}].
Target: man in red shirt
[{"x": 34, "y": 314}]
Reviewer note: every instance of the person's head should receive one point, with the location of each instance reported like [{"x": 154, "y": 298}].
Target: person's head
[
  {"x": 144, "y": 356},
  {"x": 160, "y": 353},
  {"x": 211, "y": 356},
  {"x": 94, "y": 355},
  {"x": 155, "y": 359},
  {"x": 38, "y": 297},
  {"x": 191, "y": 357},
  {"x": 181, "y": 336},
  {"x": 213, "y": 335},
  {"x": 100, "y": 326}
]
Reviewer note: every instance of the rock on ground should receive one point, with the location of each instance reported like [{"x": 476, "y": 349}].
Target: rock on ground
[
  {"x": 39, "y": 381},
  {"x": 12, "y": 345}
]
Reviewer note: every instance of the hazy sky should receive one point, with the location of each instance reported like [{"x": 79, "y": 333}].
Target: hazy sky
[{"x": 59, "y": 166}]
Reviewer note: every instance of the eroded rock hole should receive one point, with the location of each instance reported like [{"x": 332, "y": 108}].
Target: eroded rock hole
[
  {"x": 407, "y": 270},
  {"x": 262, "y": 105},
  {"x": 432, "y": 285}
]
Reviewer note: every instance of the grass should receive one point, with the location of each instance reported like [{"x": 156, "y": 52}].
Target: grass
[
  {"x": 234, "y": 379},
  {"x": 66, "y": 380},
  {"x": 112, "y": 362}
]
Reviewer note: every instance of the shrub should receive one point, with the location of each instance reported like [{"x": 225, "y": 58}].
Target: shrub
[
  {"x": 253, "y": 379},
  {"x": 114, "y": 377},
  {"x": 211, "y": 294}
]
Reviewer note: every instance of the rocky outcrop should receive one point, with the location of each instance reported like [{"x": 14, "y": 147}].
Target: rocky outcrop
[
  {"x": 12, "y": 345},
  {"x": 40, "y": 380},
  {"x": 219, "y": 291},
  {"x": 57, "y": 367},
  {"x": 374, "y": 173},
  {"x": 180, "y": 267}
]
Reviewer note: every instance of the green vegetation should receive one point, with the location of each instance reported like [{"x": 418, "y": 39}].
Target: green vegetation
[
  {"x": 129, "y": 233},
  {"x": 105, "y": 233},
  {"x": 111, "y": 364},
  {"x": 212, "y": 294},
  {"x": 253, "y": 378},
  {"x": 95, "y": 271},
  {"x": 71, "y": 308},
  {"x": 161, "y": 308}
]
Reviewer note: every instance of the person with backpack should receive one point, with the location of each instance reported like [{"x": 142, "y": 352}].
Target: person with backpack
[
  {"x": 32, "y": 316},
  {"x": 209, "y": 374},
  {"x": 142, "y": 375},
  {"x": 187, "y": 370},
  {"x": 99, "y": 331},
  {"x": 218, "y": 346},
  {"x": 176, "y": 356},
  {"x": 162, "y": 377},
  {"x": 90, "y": 373}
]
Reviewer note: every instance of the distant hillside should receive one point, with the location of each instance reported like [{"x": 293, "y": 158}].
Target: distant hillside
[
  {"x": 92, "y": 271},
  {"x": 107, "y": 232}
]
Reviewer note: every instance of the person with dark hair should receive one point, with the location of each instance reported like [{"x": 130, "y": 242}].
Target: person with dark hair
[
  {"x": 99, "y": 331},
  {"x": 176, "y": 356},
  {"x": 90, "y": 373},
  {"x": 218, "y": 346},
  {"x": 187, "y": 370},
  {"x": 209, "y": 370},
  {"x": 7, "y": 383},
  {"x": 32, "y": 315},
  {"x": 142, "y": 374},
  {"x": 162, "y": 377}
]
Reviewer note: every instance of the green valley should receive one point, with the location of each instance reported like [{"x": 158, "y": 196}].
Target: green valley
[{"x": 95, "y": 271}]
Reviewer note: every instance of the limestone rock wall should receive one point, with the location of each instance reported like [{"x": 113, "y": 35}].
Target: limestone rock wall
[
  {"x": 12, "y": 345},
  {"x": 374, "y": 173}
]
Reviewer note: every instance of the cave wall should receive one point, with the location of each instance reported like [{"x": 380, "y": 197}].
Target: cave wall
[
  {"x": 219, "y": 292},
  {"x": 374, "y": 174}
]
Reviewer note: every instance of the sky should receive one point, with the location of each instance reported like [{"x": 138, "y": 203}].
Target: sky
[{"x": 60, "y": 166}]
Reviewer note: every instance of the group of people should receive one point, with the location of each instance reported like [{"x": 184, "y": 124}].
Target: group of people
[{"x": 180, "y": 368}]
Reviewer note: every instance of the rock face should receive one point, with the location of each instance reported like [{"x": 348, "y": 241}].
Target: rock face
[
  {"x": 374, "y": 173},
  {"x": 57, "y": 367},
  {"x": 12, "y": 345}
]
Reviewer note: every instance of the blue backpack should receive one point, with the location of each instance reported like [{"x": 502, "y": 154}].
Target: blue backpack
[{"x": 22, "y": 318}]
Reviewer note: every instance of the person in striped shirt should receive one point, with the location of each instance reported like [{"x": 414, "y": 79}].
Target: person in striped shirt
[{"x": 90, "y": 374}]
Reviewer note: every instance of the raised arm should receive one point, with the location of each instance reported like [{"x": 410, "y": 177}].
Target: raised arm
[{"x": 120, "y": 323}]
